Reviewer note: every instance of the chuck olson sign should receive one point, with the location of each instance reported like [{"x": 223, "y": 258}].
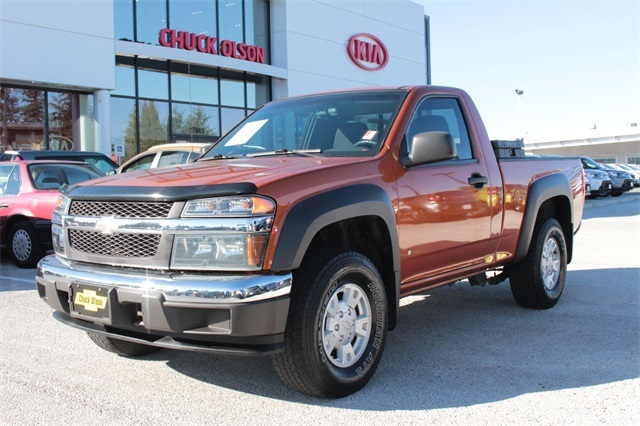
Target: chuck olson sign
[
  {"x": 205, "y": 44},
  {"x": 368, "y": 52}
]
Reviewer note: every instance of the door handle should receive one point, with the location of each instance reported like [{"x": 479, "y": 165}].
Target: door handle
[
  {"x": 4, "y": 206},
  {"x": 477, "y": 180}
]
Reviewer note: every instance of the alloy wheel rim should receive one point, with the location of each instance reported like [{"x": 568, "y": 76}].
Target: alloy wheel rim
[
  {"x": 550, "y": 264},
  {"x": 347, "y": 324}
]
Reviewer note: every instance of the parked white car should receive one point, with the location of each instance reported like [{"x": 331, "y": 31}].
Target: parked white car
[{"x": 165, "y": 155}]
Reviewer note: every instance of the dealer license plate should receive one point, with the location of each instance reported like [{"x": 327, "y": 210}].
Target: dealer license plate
[{"x": 89, "y": 300}]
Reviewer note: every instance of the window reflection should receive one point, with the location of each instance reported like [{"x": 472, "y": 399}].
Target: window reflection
[
  {"x": 231, "y": 117},
  {"x": 22, "y": 118},
  {"x": 125, "y": 81},
  {"x": 154, "y": 123},
  {"x": 153, "y": 84},
  {"x": 61, "y": 120},
  {"x": 195, "y": 16},
  {"x": 123, "y": 125},
  {"x": 151, "y": 18},
  {"x": 202, "y": 90},
  {"x": 232, "y": 93},
  {"x": 123, "y": 19},
  {"x": 194, "y": 123},
  {"x": 230, "y": 12}
]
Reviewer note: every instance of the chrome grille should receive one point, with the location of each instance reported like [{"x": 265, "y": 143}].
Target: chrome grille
[
  {"x": 114, "y": 245},
  {"x": 120, "y": 209}
]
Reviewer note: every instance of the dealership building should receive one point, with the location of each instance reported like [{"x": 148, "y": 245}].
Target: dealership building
[{"x": 119, "y": 76}]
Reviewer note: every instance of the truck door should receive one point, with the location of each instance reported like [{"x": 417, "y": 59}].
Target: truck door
[{"x": 444, "y": 209}]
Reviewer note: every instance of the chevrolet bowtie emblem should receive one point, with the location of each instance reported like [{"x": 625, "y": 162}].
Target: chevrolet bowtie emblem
[{"x": 106, "y": 225}]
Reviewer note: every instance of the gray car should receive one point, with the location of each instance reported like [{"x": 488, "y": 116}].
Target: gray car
[
  {"x": 622, "y": 181},
  {"x": 601, "y": 184}
]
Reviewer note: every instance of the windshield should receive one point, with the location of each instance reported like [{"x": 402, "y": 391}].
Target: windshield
[
  {"x": 353, "y": 124},
  {"x": 588, "y": 163}
]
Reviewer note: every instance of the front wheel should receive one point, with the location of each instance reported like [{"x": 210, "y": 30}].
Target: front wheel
[
  {"x": 24, "y": 247},
  {"x": 337, "y": 326},
  {"x": 538, "y": 280}
]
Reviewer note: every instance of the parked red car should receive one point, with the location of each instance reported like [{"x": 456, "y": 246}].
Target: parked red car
[{"x": 28, "y": 193}]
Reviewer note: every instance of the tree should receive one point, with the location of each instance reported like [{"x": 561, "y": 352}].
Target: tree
[
  {"x": 60, "y": 115},
  {"x": 32, "y": 106},
  {"x": 9, "y": 113},
  {"x": 152, "y": 130},
  {"x": 197, "y": 122}
]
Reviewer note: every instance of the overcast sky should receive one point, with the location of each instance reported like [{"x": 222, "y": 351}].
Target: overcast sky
[{"x": 577, "y": 62}]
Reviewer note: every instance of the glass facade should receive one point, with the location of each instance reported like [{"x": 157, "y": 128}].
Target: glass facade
[
  {"x": 38, "y": 119},
  {"x": 159, "y": 101}
]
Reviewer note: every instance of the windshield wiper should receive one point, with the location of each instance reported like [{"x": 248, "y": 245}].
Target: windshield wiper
[
  {"x": 285, "y": 151},
  {"x": 216, "y": 157}
]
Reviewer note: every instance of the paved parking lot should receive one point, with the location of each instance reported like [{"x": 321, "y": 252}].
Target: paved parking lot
[{"x": 460, "y": 355}]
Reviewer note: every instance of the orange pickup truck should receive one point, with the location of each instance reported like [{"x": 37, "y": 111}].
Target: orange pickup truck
[{"x": 298, "y": 232}]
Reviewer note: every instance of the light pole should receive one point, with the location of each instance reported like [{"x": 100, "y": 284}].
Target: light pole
[{"x": 519, "y": 93}]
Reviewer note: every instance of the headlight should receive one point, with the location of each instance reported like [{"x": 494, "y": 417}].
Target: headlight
[
  {"x": 62, "y": 204},
  {"x": 219, "y": 251},
  {"x": 224, "y": 233},
  {"x": 57, "y": 231},
  {"x": 228, "y": 206}
]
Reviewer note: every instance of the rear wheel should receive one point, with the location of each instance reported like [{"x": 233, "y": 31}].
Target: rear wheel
[
  {"x": 24, "y": 247},
  {"x": 337, "y": 326},
  {"x": 121, "y": 347},
  {"x": 538, "y": 280}
]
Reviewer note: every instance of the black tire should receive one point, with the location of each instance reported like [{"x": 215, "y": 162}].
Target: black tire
[
  {"x": 121, "y": 347},
  {"x": 538, "y": 280},
  {"x": 308, "y": 363},
  {"x": 24, "y": 248},
  {"x": 616, "y": 194}
]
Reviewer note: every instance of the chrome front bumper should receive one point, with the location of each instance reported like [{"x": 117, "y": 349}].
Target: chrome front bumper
[{"x": 211, "y": 308}]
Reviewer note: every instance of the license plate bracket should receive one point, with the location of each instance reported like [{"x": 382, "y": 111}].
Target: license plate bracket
[{"x": 90, "y": 301}]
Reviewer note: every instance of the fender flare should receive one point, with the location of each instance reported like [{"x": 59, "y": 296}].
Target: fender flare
[
  {"x": 543, "y": 189},
  {"x": 306, "y": 219}
]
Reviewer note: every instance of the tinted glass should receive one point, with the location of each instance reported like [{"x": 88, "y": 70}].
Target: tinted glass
[
  {"x": 123, "y": 19},
  {"x": 231, "y": 22},
  {"x": 172, "y": 158},
  {"x": 153, "y": 84},
  {"x": 345, "y": 124},
  {"x": 154, "y": 123},
  {"x": 61, "y": 120},
  {"x": 5, "y": 172},
  {"x": 123, "y": 125},
  {"x": 52, "y": 176},
  {"x": 151, "y": 18},
  {"x": 194, "y": 16},
  {"x": 141, "y": 163},
  {"x": 190, "y": 121},
  {"x": 442, "y": 114},
  {"x": 201, "y": 90},
  {"x": 231, "y": 117},
  {"x": 125, "y": 81}
]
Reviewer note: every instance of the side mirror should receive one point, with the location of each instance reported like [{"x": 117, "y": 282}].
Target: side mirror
[{"x": 430, "y": 147}]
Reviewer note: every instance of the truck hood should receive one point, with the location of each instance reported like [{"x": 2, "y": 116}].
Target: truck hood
[{"x": 213, "y": 177}]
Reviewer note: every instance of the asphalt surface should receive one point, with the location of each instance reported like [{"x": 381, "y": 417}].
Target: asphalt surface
[{"x": 460, "y": 355}]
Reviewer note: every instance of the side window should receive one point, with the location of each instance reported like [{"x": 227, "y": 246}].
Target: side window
[
  {"x": 172, "y": 158},
  {"x": 443, "y": 115},
  {"x": 13, "y": 183},
  {"x": 141, "y": 163},
  {"x": 5, "y": 173}
]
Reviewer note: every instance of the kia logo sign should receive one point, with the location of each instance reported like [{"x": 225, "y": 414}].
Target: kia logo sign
[{"x": 368, "y": 52}]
